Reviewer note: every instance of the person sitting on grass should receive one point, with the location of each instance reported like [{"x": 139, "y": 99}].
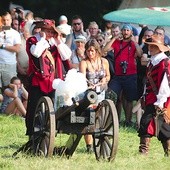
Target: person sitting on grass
[{"x": 15, "y": 98}]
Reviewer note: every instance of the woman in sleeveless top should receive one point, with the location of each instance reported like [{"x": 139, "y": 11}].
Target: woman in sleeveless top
[
  {"x": 97, "y": 73},
  {"x": 95, "y": 67}
]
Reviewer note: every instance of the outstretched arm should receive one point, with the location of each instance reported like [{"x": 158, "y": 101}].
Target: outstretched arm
[
  {"x": 13, "y": 93},
  {"x": 108, "y": 45}
]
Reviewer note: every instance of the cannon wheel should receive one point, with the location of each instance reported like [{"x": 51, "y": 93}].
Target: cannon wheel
[
  {"x": 105, "y": 138},
  {"x": 44, "y": 128}
]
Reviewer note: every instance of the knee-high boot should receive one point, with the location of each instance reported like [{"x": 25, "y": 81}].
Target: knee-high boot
[
  {"x": 144, "y": 145},
  {"x": 166, "y": 147}
]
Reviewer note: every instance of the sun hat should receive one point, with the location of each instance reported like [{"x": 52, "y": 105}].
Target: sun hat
[
  {"x": 80, "y": 38},
  {"x": 158, "y": 41},
  {"x": 46, "y": 24}
]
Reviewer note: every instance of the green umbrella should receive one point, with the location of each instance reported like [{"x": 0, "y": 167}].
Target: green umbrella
[{"x": 149, "y": 16}]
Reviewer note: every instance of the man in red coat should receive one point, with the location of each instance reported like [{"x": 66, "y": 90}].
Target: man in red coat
[
  {"x": 48, "y": 59},
  {"x": 156, "y": 119}
]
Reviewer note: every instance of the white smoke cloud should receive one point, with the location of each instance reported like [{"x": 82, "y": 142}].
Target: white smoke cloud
[{"x": 74, "y": 85}]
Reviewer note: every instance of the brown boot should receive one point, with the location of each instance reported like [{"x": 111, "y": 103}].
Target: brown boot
[
  {"x": 166, "y": 147},
  {"x": 144, "y": 145}
]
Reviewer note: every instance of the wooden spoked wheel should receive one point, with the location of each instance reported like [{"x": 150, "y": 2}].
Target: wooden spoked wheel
[
  {"x": 44, "y": 128},
  {"x": 105, "y": 137}
]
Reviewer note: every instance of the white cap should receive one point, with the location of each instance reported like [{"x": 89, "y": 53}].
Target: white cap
[
  {"x": 80, "y": 38},
  {"x": 63, "y": 18}
]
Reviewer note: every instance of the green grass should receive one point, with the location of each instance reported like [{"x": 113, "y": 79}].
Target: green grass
[{"x": 12, "y": 136}]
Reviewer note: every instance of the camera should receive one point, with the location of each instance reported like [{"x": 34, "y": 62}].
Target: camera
[
  {"x": 17, "y": 10},
  {"x": 124, "y": 64},
  {"x": 6, "y": 28}
]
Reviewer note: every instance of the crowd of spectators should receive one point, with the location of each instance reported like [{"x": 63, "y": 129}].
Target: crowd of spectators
[{"x": 116, "y": 56}]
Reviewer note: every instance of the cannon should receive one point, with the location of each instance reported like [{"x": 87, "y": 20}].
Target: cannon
[{"x": 81, "y": 118}]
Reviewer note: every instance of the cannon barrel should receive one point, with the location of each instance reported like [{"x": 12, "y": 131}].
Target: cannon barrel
[
  {"x": 89, "y": 98},
  {"x": 79, "y": 106}
]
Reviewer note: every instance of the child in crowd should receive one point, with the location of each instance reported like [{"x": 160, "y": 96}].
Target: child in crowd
[
  {"x": 78, "y": 53},
  {"x": 15, "y": 98}
]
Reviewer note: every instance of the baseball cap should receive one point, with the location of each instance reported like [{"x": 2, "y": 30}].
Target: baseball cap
[{"x": 80, "y": 38}]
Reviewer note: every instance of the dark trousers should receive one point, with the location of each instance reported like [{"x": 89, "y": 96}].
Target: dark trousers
[
  {"x": 164, "y": 128},
  {"x": 145, "y": 120},
  {"x": 34, "y": 95}
]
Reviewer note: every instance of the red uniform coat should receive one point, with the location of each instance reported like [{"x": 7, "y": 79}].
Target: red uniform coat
[
  {"x": 157, "y": 72},
  {"x": 41, "y": 70}
]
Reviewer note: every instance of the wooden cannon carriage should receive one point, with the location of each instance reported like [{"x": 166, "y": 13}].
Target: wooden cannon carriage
[{"x": 75, "y": 120}]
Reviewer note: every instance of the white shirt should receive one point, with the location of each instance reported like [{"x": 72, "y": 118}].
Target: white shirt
[
  {"x": 164, "y": 90},
  {"x": 42, "y": 44},
  {"x": 10, "y": 38}
]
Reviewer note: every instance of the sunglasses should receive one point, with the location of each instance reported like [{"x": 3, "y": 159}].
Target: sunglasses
[{"x": 76, "y": 23}]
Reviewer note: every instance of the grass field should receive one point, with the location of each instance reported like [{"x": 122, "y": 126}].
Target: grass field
[{"x": 12, "y": 136}]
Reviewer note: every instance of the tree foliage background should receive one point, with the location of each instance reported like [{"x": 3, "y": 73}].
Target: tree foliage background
[{"x": 89, "y": 10}]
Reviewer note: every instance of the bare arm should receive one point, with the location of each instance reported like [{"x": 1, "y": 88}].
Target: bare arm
[
  {"x": 83, "y": 67},
  {"x": 108, "y": 45},
  {"x": 13, "y": 93},
  {"x": 25, "y": 93},
  {"x": 14, "y": 48},
  {"x": 138, "y": 48},
  {"x": 106, "y": 79}
]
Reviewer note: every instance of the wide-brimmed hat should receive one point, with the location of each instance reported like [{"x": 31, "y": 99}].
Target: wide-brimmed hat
[
  {"x": 158, "y": 41},
  {"x": 80, "y": 38},
  {"x": 46, "y": 24}
]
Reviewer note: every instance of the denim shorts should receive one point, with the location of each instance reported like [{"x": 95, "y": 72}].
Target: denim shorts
[{"x": 127, "y": 84}]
